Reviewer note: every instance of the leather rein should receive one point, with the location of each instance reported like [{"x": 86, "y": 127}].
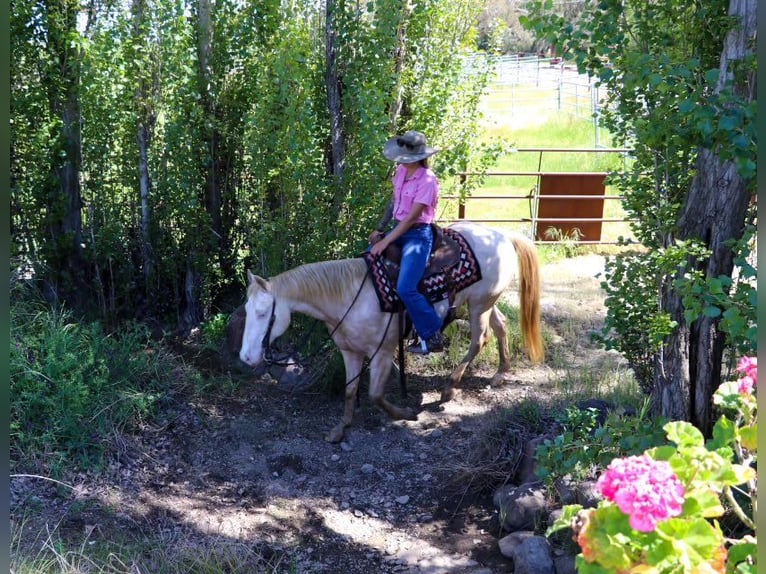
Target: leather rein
[{"x": 269, "y": 356}]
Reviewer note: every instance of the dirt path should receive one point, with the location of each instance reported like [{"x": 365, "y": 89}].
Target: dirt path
[{"x": 251, "y": 466}]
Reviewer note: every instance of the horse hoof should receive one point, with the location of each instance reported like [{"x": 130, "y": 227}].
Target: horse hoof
[
  {"x": 334, "y": 436},
  {"x": 500, "y": 379},
  {"x": 410, "y": 415}
]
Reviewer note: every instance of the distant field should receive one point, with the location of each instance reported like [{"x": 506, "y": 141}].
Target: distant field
[{"x": 538, "y": 125}]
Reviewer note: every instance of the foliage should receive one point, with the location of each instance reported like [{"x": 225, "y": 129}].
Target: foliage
[
  {"x": 733, "y": 299},
  {"x": 658, "y": 64},
  {"x": 632, "y": 284},
  {"x": 236, "y": 138},
  {"x": 567, "y": 240},
  {"x": 74, "y": 388},
  {"x": 214, "y": 329},
  {"x": 584, "y": 448},
  {"x": 688, "y": 538}
]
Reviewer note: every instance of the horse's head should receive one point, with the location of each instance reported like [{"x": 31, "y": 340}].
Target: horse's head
[{"x": 265, "y": 320}]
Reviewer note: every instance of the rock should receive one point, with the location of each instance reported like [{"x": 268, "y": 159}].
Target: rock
[
  {"x": 565, "y": 490},
  {"x": 528, "y": 465},
  {"x": 508, "y": 544},
  {"x": 367, "y": 469},
  {"x": 533, "y": 556},
  {"x": 565, "y": 564},
  {"x": 522, "y": 507},
  {"x": 403, "y": 499},
  {"x": 587, "y": 495}
]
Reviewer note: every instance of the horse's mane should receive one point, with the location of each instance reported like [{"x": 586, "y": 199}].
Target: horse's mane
[{"x": 331, "y": 280}]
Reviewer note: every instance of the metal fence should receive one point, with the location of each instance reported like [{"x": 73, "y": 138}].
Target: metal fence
[
  {"x": 561, "y": 200},
  {"x": 533, "y": 83}
]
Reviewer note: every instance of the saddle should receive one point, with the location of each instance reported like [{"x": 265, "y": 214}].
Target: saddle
[
  {"x": 445, "y": 251},
  {"x": 452, "y": 266}
]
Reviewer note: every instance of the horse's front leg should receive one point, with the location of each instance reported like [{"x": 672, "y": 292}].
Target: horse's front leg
[
  {"x": 353, "y": 362},
  {"x": 380, "y": 368},
  {"x": 479, "y": 336}
]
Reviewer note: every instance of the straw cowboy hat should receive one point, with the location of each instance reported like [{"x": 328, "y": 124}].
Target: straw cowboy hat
[{"x": 408, "y": 148}]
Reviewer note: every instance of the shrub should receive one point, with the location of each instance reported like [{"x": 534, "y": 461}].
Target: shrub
[
  {"x": 74, "y": 387},
  {"x": 584, "y": 448}
]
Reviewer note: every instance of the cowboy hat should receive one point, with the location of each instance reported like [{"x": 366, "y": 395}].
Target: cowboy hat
[{"x": 408, "y": 148}]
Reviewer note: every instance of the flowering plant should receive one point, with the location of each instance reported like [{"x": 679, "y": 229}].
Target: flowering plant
[{"x": 659, "y": 510}]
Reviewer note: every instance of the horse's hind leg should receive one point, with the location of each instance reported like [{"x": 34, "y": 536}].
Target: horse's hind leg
[
  {"x": 498, "y": 323},
  {"x": 353, "y": 362},
  {"x": 380, "y": 368},
  {"x": 479, "y": 320}
]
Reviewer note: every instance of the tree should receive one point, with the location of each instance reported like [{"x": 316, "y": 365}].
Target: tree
[
  {"x": 680, "y": 78},
  {"x": 193, "y": 139},
  {"x": 714, "y": 213}
]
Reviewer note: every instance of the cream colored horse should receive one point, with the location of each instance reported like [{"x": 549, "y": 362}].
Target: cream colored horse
[{"x": 340, "y": 294}]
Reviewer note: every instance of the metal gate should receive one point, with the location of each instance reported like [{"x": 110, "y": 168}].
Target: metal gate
[{"x": 563, "y": 206}]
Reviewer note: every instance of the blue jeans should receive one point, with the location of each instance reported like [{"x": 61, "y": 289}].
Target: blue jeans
[{"x": 416, "y": 248}]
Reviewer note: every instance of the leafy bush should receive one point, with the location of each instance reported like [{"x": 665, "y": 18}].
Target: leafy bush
[
  {"x": 75, "y": 387},
  {"x": 584, "y": 448}
]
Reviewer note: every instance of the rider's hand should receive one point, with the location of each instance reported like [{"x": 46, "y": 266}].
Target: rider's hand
[
  {"x": 378, "y": 248},
  {"x": 376, "y": 236}
]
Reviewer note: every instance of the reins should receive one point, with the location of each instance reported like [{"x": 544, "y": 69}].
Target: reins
[{"x": 268, "y": 352}]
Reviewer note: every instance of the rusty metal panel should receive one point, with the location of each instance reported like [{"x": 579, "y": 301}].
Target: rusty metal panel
[{"x": 568, "y": 212}]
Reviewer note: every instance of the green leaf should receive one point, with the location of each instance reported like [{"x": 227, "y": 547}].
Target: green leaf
[
  {"x": 749, "y": 437},
  {"x": 702, "y": 502},
  {"x": 740, "y": 551},
  {"x": 696, "y": 540},
  {"x": 711, "y": 311},
  {"x": 568, "y": 515},
  {"x": 684, "y": 434},
  {"x": 711, "y": 76},
  {"x": 724, "y": 433},
  {"x": 741, "y": 474}
]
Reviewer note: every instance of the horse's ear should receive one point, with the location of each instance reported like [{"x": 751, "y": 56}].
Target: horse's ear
[{"x": 262, "y": 283}]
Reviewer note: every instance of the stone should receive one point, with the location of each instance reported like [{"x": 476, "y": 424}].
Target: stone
[
  {"x": 533, "y": 556},
  {"x": 565, "y": 564},
  {"x": 522, "y": 507},
  {"x": 508, "y": 544},
  {"x": 587, "y": 495},
  {"x": 527, "y": 466}
]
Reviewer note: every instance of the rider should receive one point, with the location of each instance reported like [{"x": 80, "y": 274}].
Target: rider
[{"x": 415, "y": 195}]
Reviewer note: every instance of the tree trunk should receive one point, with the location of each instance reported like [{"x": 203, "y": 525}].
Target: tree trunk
[
  {"x": 334, "y": 101},
  {"x": 64, "y": 199},
  {"x": 689, "y": 367},
  {"x": 399, "y": 54},
  {"x": 144, "y": 130},
  {"x": 212, "y": 137}
]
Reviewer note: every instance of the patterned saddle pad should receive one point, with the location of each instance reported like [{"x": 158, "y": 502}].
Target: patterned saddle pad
[{"x": 452, "y": 264}]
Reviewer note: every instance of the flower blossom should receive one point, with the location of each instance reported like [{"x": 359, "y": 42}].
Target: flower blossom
[
  {"x": 748, "y": 366},
  {"x": 645, "y": 489}
]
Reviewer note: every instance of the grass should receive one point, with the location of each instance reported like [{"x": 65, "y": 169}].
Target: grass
[
  {"x": 117, "y": 551},
  {"x": 558, "y": 130}
]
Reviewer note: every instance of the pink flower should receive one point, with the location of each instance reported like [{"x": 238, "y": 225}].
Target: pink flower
[
  {"x": 746, "y": 385},
  {"x": 645, "y": 489},
  {"x": 748, "y": 366}
]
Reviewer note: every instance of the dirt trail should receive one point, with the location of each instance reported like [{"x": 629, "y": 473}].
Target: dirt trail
[{"x": 251, "y": 466}]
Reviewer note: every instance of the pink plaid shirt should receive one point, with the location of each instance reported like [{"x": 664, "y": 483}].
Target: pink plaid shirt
[{"x": 423, "y": 188}]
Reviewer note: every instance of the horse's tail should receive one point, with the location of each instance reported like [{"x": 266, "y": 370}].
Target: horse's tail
[{"x": 529, "y": 296}]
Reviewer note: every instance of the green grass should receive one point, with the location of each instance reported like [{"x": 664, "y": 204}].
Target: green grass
[{"x": 560, "y": 130}]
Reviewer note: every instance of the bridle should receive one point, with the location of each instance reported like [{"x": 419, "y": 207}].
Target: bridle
[{"x": 270, "y": 357}]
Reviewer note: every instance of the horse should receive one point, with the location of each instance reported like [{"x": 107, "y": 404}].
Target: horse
[{"x": 341, "y": 294}]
